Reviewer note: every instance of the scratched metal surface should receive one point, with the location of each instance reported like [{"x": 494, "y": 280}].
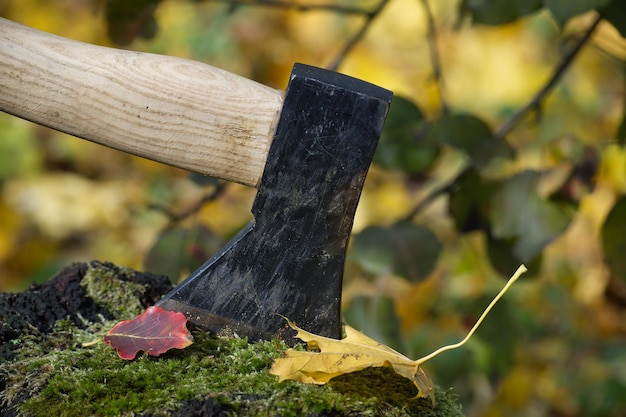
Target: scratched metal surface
[{"x": 289, "y": 260}]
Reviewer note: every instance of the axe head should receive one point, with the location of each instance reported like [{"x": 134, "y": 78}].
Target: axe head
[{"x": 289, "y": 260}]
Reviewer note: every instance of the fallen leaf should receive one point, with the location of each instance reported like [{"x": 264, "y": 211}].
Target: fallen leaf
[
  {"x": 336, "y": 357},
  {"x": 154, "y": 332},
  {"x": 328, "y": 358}
]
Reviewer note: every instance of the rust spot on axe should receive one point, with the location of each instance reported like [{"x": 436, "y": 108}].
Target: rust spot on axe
[{"x": 289, "y": 260}]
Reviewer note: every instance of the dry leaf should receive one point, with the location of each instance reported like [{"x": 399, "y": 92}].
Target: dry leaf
[
  {"x": 353, "y": 353},
  {"x": 154, "y": 331},
  {"x": 328, "y": 358}
]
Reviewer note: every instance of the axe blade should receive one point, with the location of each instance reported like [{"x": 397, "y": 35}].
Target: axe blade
[{"x": 289, "y": 260}]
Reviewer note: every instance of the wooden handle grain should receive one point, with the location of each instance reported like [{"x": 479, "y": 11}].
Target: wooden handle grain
[{"x": 176, "y": 111}]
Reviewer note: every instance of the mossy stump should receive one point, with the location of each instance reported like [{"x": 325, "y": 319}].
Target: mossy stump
[{"x": 46, "y": 371}]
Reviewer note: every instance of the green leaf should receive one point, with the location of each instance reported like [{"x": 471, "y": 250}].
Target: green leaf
[
  {"x": 563, "y": 10},
  {"x": 614, "y": 239},
  {"x": 401, "y": 145},
  {"x": 472, "y": 135},
  {"x": 519, "y": 213},
  {"x": 469, "y": 202},
  {"x": 370, "y": 250},
  {"x": 614, "y": 13},
  {"x": 179, "y": 251},
  {"x": 502, "y": 256},
  {"x": 403, "y": 249},
  {"x": 497, "y": 12},
  {"x": 376, "y": 317}
]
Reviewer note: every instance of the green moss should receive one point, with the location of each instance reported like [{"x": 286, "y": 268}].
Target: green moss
[
  {"x": 63, "y": 378},
  {"x": 94, "y": 381},
  {"x": 118, "y": 296}
]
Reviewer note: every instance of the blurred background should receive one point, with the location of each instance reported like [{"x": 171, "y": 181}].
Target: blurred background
[{"x": 505, "y": 145}]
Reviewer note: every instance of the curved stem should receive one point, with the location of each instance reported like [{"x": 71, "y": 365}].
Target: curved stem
[{"x": 514, "y": 278}]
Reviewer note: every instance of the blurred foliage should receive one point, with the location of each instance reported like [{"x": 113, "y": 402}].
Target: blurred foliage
[
  {"x": 403, "y": 249},
  {"x": 505, "y": 144}
]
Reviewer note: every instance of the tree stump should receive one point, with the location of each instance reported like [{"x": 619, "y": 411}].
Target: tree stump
[{"x": 46, "y": 368}]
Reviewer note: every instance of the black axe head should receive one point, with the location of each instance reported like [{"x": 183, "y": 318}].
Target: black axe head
[{"x": 289, "y": 260}]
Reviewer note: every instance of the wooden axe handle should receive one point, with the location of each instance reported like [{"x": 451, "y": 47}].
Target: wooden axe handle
[{"x": 176, "y": 111}]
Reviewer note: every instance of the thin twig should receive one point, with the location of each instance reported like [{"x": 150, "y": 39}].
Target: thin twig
[
  {"x": 335, "y": 8},
  {"x": 435, "y": 59},
  {"x": 177, "y": 217},
  {"x": 434, "y": 194},
  {"x": 559, "y": 70},
  {"x": 295, "y": 6},
  {"x": 370, "y": 16}
]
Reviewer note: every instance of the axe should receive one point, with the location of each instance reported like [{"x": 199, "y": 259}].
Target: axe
[{"x": 307, "y": 150}]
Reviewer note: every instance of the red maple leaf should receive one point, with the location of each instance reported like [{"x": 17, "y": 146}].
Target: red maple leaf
[{"x": 154, "y": 331}]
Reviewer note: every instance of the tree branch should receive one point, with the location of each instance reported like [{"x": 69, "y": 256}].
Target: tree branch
[
  {"x": 370, "y": 16},
  {"x": 294, "y": 6},
  {"x": 557, "y": 73},
  {"x": 502, "y": 131},
  {"x": 434, "y": 56},
  {"x": 434, "y": 194},
  {"x": 177, "y": 217}
]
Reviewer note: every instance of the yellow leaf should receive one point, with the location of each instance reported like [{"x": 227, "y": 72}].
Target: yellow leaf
[
  {"x": 613, "y": 168},
  {"x": 328, "y": 358},
  {"x": 337, "y": 357}
]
